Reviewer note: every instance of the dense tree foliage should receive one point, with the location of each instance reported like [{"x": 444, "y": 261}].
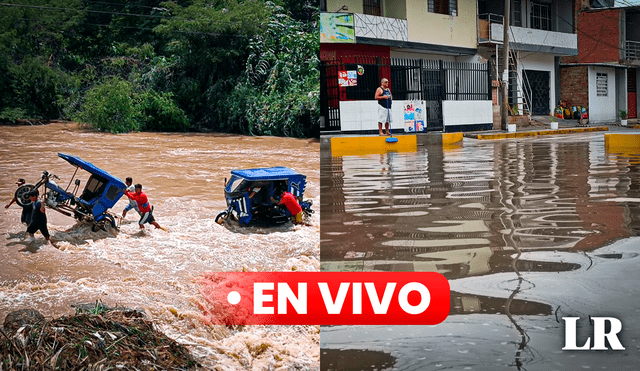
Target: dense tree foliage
[{"x": 243, "y": 66}]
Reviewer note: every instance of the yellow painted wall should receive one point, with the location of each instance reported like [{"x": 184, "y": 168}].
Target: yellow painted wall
[
  {"x": 441, "y": 29},
  {"x": 425, "y": 27},
  {"x": 395, "y": 8},
  {"x": 355, "y": 6}
]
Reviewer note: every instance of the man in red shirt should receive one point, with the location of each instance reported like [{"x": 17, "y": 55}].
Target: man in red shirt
[
  {"x": 292, "y": 205},
  {"x": 143, "y": 205}
]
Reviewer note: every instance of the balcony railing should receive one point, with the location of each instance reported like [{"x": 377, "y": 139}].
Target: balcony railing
[
  {"x": 492, "y": 18},
  {"x": 632, "y": 50},
  {"x": 380, "y": 27}
]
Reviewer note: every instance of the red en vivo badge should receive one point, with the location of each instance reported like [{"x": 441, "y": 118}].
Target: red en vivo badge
[{"x": 325, "y": 298}]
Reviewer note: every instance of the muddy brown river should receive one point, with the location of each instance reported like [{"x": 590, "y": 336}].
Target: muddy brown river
[
  {"x": 156, "y": 271},
  {"x": 527, "y": 231}
]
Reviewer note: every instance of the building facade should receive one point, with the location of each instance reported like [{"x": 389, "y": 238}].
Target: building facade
[
  {"x": 602, "y": 76},
  {"x": 427, "y": 50}
]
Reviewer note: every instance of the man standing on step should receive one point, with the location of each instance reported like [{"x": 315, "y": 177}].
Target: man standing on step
[{"x": 383, "y": 96}]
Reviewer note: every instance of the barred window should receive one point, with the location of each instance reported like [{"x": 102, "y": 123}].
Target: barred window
[
  {"x": 371, "y": 7},
  {"x": 541, "y": 16},
  {"x": 449, "y": 7}
]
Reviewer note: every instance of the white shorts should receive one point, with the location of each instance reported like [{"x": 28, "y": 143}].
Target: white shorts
[{"x": 384, "y": 115}]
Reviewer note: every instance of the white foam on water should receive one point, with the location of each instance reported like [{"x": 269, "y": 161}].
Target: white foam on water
[{"x": 154, "y": 270}]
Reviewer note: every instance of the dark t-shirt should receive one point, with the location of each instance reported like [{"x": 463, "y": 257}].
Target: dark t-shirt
[
  {"x": 384, "y": 102},
  {"x": 36, "y": 214}
]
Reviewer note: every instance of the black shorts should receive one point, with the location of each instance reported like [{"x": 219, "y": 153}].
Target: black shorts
[
  {"x": 39, "y": 224},
  {"x": 147, "y": 217}
]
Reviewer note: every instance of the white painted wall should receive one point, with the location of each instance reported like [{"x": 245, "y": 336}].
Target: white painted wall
[
  {"x": 530, "y": 36},
  {"x": 467, "y": 112},
  {"x": 363, "y": 115},
  {"x": 540, "y": 62},
  {"x": 602, "y": 109}
]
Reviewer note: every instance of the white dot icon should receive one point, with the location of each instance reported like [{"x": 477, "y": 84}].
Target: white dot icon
[{"x": 233, "y": 297}]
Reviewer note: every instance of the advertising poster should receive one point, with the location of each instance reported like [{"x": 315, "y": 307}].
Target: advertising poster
[
  {"x": 414, "y": 117},
  {"x": 347, "y": 78}
]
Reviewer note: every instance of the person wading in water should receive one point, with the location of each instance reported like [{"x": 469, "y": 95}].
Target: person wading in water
[{"x": 144, "y": 207}]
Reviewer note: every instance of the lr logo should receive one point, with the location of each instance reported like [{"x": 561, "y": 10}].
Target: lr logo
[{"x": 599, "y": 334}]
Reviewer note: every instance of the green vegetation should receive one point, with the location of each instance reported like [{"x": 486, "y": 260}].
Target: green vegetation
[{"x": 239, "y": 66}]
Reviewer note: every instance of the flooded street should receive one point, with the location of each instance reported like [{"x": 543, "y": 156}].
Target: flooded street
[
  {"x": 183, "y": 176},
  {"x": 527, "y": 231}
]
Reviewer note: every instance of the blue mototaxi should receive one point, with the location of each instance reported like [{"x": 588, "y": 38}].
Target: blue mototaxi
[
  {"x": 252, "y": 195},
  {"x": 100, "y": 193}
]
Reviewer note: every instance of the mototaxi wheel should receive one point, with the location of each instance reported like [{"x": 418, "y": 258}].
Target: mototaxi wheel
[
  {"x": 21, "y": 194},
  {"x": 220, "y": 219},
  {"x": 104, "y": 224}
]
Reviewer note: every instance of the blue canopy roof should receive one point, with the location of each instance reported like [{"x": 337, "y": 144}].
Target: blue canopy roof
[
  {"x": 268, "y": 173},
  {"x": 91, "y": 168}
]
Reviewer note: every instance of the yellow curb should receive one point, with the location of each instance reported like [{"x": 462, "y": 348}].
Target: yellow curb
[
  {"x": 450, "y": 138},
  {"x": 349, "y": 146},
  {"x": 622, "y": 143},
  {"x": 523, "y": 134}
]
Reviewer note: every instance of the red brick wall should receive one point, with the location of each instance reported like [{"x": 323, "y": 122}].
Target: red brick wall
[
  {"x": 599, "y": 36},
  {"x": 574, "y": 85}
]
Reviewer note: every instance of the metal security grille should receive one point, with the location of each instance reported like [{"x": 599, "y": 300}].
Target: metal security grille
[
  {"x": 540, "y": 16},
  {"x": 539, "y": 82},
  {"x": 602, "y": 84},
  {"x": 371, "y": 7},
  {"x": 409, "y": 79},
  {"x": 329, "y": 97}
]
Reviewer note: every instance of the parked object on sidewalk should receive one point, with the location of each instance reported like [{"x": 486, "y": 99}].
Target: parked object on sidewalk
[
  {"x": 558, "y": 112},
  {"x": 623, "y": 117},
  {"x": 576, "y": 112}
]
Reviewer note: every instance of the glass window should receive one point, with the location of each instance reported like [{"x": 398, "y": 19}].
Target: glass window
[{"x": 449, "y": 7}]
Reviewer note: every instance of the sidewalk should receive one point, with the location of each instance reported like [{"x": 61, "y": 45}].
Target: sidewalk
[{"x": 540, "y": 126}]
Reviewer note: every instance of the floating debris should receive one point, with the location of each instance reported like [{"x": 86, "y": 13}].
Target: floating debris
[{"x": 93, "y": 340}]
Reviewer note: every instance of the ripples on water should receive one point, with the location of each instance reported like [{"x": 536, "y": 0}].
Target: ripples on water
[
  {"x": 521, "y": 228},
  {"x": 183, "y": 176}
]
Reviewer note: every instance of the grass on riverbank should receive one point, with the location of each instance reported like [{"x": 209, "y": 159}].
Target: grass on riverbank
[{"x": 93, "y": 340}]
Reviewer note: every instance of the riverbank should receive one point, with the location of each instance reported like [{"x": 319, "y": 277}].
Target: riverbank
[{"x": 96, "y": 338}]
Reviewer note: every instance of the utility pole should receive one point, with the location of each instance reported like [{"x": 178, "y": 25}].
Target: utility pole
[{"x": 504, "y": 107}]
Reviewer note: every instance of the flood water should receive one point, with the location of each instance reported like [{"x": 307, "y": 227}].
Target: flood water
[
  {"x": 156, "y": 271},
  {"x": 527, "y": 231}
]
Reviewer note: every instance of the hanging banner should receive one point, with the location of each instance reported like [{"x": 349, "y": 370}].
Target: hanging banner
[{"x": 337, "y": 28}]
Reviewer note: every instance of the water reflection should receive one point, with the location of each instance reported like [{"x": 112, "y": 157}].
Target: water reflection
[
  {"x": 519, "y": 227},
  {"x": 433, "y": 209}
]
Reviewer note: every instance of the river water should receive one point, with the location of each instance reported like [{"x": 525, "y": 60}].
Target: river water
[
  {"x": 158, "y": 271},
  {"x": 527, "y": 231}
]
